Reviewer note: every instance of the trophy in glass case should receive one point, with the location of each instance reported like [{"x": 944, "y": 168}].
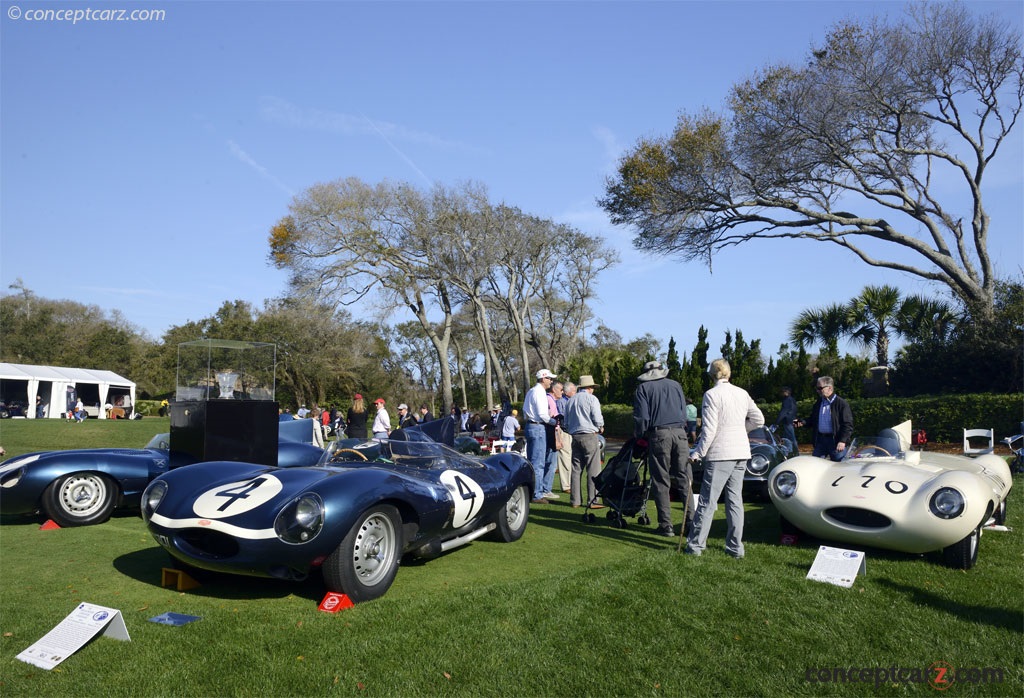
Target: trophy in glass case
[{"x": 226, "y": 381}]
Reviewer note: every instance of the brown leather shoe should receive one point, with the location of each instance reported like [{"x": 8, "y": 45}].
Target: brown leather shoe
[
  {"x": 597, "y": 506},
  {"x": 539, "y": 501}
]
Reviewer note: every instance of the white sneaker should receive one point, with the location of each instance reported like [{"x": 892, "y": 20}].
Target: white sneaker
[{"x": 551, "y": 495}]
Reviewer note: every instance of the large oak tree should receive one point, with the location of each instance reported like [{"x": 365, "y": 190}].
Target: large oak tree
[{"x": 880, "y": 144}]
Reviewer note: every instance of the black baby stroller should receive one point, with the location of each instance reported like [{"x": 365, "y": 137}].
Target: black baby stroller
[{"x": 624, "y": 485}]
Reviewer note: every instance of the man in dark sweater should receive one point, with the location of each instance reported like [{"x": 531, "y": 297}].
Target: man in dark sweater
[{"x": 659, "y": 416}]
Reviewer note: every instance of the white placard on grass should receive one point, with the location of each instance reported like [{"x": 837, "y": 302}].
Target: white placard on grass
[
  {"x": 837, "y": 566},
  {"x": 71, "y": 634}
]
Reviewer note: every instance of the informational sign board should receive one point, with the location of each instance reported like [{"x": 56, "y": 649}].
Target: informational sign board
[
  {"x": 71, "y": 634},
  {"x": 837, "y": 566}
]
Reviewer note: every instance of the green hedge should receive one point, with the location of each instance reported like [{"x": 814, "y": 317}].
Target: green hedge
[
  {"x": 148, "y": 408},
  {"x": 942, "y": 417}
]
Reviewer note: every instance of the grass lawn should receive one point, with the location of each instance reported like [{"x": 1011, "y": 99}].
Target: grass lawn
[{"x": 570, "y": 610}]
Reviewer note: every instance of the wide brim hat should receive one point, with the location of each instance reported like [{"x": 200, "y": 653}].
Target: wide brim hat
[
  {"x": 586, "y": 381},
  {"x": 653, "y": 370}
]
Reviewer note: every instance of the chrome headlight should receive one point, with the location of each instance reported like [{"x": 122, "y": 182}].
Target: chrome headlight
[
  {"x": 785, "y": 483},
  {"x": 947, "y": 503},
  {"x": 300, "y": 521},
  {"x": 758, "y": 464},
  {"x": 152, "y": 497}
]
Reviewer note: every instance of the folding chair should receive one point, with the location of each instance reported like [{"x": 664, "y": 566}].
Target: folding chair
[{"x": 977, "y": 434}]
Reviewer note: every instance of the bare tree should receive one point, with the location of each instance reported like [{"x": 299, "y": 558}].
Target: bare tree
[
  {"x": 543, "y": 280},
  {"x": 857, "y": 149},
  {"x": 345, "y": 238}
]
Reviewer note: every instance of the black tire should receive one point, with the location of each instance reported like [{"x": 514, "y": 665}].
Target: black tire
[
  {"x": 964, "y": 554},
  {"x": 589, "y": 518},
  {"x": 512, "y": 518},
  {"x": 643, "y": 520},
  {"x": 999, "y": 516},
  {"x": 80, "y": 499},
  {"x": 365, "y": 563}
]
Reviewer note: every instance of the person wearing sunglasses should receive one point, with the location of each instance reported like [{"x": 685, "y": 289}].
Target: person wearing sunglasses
[{"x": 831, "y": 421}]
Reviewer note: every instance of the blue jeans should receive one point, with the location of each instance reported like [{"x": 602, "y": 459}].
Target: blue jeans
[
  {"x": 537, "y": 453},
  {"x": 549, "y": 471},
  {"x": 789, "y": 433}
]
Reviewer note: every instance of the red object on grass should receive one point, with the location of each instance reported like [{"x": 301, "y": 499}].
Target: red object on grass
[
  {"x": 49, "y": 525},
  {"x": 334, "y": 602}
]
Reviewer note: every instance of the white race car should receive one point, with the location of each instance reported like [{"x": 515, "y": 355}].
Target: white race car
[{"x": 883, "y": 495}]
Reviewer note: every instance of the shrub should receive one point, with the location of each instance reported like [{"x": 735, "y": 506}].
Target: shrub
[{"x": 943, "y": 417}]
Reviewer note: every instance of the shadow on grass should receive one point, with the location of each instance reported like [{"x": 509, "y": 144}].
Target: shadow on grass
[
  {"x": 1004, "y": 618},
  {"x": 761, "y": 524},
  {"x": 146, "y": 566}
]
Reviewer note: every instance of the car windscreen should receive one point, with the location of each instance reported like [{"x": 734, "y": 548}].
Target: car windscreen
[
  {"x": 160, "y": 441},
  {"x": 873, "y": 447}
]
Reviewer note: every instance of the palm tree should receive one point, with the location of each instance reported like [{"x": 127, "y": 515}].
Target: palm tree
[
  {"x": 822, "y": 326},
  {"x": 872, "y": 316},
  {"x": 922, "y": 319}
]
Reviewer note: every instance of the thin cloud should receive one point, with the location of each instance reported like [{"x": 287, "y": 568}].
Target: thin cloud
[
  {"x": 283, "y": 112},
  {"x": 244, "y": 157},
  {"x": 613, "y": 149}
]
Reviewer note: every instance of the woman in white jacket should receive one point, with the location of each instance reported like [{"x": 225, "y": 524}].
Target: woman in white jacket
[{"x": 729, "y": 414}]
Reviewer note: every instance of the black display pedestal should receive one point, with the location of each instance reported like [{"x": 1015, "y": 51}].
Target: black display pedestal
[{"x": 234, "y": 430}]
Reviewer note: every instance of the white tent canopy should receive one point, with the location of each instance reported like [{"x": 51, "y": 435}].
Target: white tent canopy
[{"x": 54, "y": 384}]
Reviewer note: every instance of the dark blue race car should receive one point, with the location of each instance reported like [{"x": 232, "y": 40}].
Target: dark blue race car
[
  {"x": 84, "y": 487},
  {"x": 352, "y": 516}
]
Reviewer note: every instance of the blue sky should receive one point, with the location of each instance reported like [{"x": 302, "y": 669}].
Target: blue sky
[{"x": 143, "y": 163}]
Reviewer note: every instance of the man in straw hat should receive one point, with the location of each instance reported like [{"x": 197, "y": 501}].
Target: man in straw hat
[{"x": 583, "y": 419}]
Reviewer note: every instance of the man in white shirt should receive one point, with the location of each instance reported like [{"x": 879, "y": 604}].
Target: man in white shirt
[
  {"x": 537, "y": 415},
  {"x": 382, "y": 421}
]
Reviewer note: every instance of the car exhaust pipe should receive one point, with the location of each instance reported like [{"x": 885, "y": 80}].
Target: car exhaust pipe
[{"x": 468, "y": 538}]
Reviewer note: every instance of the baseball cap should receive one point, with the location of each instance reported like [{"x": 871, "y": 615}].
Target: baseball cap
[
  {"x": 379, "y": 401},
  {"x": 403, "y": 406},
  {"x": 357, "y": 396},
  {"x": 544, "y": 373}
]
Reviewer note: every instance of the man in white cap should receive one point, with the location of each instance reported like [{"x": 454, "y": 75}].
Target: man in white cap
[
  {"x": 537, "y": 415},
  {"x": 404, "y": 418}
]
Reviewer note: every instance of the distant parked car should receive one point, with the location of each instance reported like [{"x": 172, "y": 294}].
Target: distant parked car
[
  {"x": 766, "y": 451},
  {"x": 83, "y": 487}
]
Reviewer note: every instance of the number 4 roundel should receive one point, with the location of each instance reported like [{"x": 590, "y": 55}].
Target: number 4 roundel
[
  {"x": 467, "y": 495},
  {"x": 236, "y": 498}
]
